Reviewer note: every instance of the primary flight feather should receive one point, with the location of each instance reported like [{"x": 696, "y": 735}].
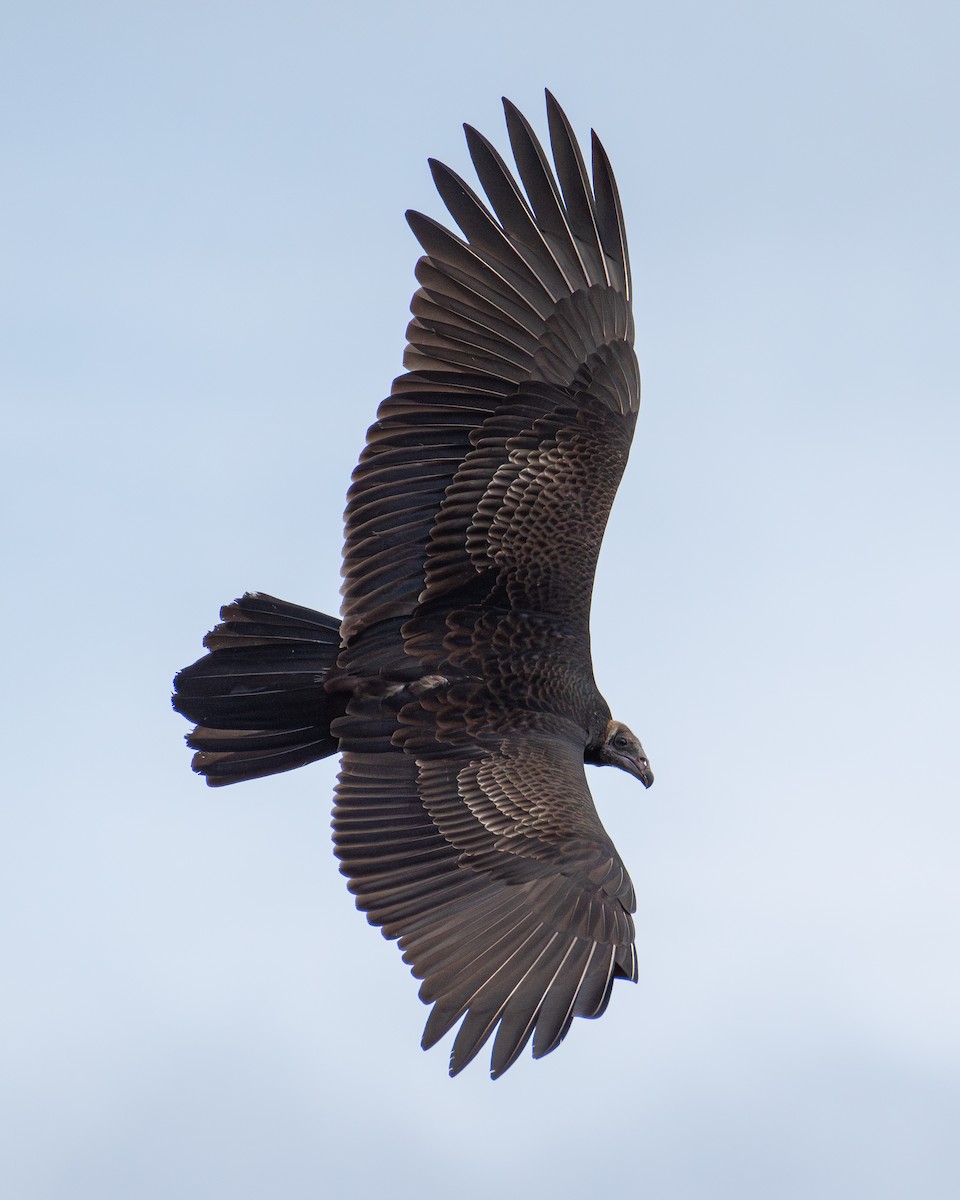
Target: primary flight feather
[{"x": 458, "y": 684}]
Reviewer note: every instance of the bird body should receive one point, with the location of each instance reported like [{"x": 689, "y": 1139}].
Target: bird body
[{"x": 458, "y": 684}]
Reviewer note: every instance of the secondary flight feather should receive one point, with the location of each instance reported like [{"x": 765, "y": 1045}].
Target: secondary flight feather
[{"x": 457, "y": 684}]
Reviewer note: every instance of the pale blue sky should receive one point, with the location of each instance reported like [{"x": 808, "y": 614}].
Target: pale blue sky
[{"x": 204, "y": 292}]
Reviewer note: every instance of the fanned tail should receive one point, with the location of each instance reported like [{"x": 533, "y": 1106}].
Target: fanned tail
[{"x": 258, "y": 698}]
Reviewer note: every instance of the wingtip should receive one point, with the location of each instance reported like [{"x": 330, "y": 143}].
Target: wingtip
[
  {"x": 501, "y": 1062},
  {"x": 438, "y": 170},
  {"x": 596, "y": 146},
  {"x": 555, "y": 108}
]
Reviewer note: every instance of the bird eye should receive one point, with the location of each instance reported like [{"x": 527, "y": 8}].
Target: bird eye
[{"x": 620, "y": 741}]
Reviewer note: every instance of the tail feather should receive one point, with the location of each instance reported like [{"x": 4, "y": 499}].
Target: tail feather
[{"x": 258, "y": 697}]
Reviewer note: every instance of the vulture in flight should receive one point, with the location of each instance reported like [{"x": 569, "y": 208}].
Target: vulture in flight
[{"x": 458, "y": 684}]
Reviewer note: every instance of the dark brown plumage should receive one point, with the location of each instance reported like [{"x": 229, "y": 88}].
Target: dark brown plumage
[{"x": 458, "y": 685}]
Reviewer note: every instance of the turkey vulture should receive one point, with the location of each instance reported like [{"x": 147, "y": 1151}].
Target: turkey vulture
[{"x": 458, "y": 684}]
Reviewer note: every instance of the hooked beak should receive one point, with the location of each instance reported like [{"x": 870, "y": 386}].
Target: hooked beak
[{"x": 640, "y": 767}]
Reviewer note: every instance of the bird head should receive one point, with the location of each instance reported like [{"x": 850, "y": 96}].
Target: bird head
[{"x": 621, "y": 748}]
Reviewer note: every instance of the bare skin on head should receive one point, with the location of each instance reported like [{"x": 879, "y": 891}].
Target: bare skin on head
[{"x": 621, "y": 748}]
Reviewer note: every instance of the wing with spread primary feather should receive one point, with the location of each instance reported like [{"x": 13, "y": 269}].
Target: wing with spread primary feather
[{"x": 499, "y": 453}]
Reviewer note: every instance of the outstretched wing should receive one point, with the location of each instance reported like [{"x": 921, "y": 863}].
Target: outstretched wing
[
  {"x": 492, "y": 868},
  {"x": 494, "y": 462},
  {"x": 463, "y": 817}
]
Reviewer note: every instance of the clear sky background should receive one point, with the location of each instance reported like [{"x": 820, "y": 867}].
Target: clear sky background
[{"x": 205, "y": 283}]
